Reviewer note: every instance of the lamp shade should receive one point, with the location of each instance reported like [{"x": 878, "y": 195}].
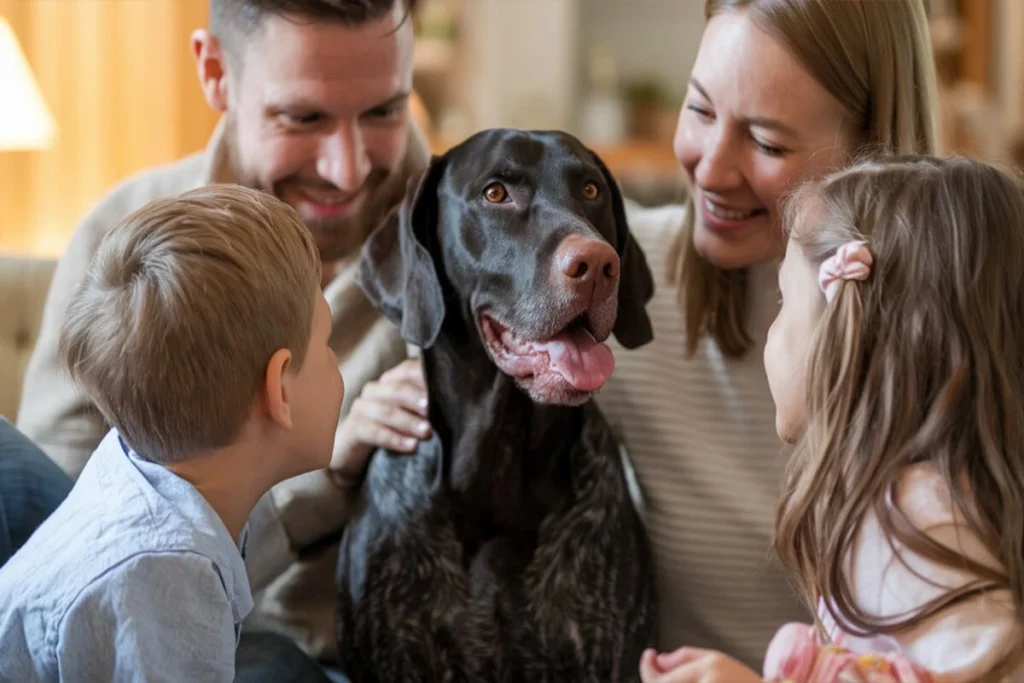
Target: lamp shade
[{"x": 25, "y": 120}]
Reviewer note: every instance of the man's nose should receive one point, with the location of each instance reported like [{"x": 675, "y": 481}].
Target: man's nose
[{"x": 343, "y": 159}]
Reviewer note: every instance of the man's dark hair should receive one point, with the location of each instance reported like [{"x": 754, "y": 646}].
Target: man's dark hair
[{"x": 234, "y": 21}]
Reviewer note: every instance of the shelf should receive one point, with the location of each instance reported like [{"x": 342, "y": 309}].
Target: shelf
[{"x": 434, "y": 56}]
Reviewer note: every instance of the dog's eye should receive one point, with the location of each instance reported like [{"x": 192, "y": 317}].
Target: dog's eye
[
  {"x": 495, "y": 193},
  {"x": 590, "y": 191}
]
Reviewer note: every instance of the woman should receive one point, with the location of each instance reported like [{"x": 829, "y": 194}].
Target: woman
[{"x": 781, "y": 90}]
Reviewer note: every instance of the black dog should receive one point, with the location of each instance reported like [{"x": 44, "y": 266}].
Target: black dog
[{"x": 507, "y": 548}]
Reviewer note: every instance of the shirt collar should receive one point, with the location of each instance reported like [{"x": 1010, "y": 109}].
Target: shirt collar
[{"x": 211, "y": 534}]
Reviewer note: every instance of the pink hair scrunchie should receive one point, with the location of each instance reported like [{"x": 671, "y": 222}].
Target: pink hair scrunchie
[{"x": 852, "y": 261}]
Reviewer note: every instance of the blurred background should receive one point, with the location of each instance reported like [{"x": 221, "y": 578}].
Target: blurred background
[{"x": 112, "y": 89}]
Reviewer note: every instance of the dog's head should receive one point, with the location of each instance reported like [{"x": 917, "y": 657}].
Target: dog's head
[{"x": 525, "y": 234}]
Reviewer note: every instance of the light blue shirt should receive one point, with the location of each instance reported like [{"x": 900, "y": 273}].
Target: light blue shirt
[{"x": 133, "y": 578}]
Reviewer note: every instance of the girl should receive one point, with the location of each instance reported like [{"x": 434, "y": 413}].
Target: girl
[{"x": 896, "y": 364}]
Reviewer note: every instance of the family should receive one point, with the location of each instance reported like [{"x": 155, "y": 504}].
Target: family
[{"x": 822, "y": 429}]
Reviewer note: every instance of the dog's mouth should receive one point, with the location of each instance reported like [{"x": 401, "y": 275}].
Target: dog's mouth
[{"x": 564, "y": 368}]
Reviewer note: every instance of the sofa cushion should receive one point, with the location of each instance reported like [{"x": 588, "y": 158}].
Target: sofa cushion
[{"x": 24, "y": 283}]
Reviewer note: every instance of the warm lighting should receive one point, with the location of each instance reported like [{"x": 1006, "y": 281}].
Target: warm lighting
[{"x": 25, "y": 120}]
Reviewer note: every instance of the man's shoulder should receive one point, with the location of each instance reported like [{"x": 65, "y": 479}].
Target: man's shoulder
[
  {"x": 156, "y": 182},
  {"x": 137, "y": 190}
]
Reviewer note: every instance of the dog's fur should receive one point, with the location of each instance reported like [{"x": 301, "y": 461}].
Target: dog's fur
[{"x": 508, "y": 547}]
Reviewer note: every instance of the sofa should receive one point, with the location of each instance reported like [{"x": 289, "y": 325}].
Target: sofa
[{"x": 24, "y": 283}]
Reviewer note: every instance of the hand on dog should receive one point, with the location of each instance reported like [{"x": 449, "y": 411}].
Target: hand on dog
[
  {"x": 693, "y": 665},
  {"x": 389, "y": 413}
]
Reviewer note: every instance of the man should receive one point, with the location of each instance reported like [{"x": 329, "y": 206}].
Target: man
[{"x": 314, "y": 96}]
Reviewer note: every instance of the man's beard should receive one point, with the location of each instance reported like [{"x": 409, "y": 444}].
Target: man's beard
[{"x": 336, "y": 238}]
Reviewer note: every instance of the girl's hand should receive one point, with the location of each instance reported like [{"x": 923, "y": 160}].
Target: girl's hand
[{"x": 693, "y": 665}]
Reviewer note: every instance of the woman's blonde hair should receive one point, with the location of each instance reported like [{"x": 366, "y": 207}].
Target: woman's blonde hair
[
  {"x": 921, "y": 363},
  {"x": 876, "y": 59}
]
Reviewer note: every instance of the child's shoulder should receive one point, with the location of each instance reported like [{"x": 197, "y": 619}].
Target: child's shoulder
[
  {"x": 60, "y": 586},
  {"x": 109, "y": 519},
  {"x": 53, "y": 614},
  {"x": 889, "y": 580},
  {"x": 925, "y": 500}
]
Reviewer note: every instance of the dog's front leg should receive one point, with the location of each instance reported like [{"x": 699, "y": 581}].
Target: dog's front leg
[
  {"x": 403, "y": 593},
  {"x": 590, "y": 587}
]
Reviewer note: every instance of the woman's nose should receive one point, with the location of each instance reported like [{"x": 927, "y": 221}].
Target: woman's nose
[{"x": 719, "y": 167}]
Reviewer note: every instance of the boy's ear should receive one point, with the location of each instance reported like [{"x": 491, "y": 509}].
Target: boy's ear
[{"x": 276, "y": 394}]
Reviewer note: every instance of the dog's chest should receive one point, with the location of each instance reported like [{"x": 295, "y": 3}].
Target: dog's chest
[
  {"x": 519, "y": 589},
  {"x": 510, "y": 488}
]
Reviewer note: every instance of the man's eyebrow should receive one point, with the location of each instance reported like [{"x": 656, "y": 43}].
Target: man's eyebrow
[
  {"x": 282, "y": 104},
  {"x": 398, "y": 98},
  {"x": 303, "y": 104}
]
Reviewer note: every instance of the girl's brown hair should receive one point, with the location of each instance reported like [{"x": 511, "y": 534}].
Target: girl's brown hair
[
  {"x": 876, "y": 59},
  {"x": 921, "y": 363}
]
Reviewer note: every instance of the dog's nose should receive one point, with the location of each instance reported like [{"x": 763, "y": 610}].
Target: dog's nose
[{"x": 588, "y": 263}]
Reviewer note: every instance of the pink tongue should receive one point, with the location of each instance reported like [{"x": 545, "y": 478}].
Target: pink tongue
[{"x": 579, "y": 358}]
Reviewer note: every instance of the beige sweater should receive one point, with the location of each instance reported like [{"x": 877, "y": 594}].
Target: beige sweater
[
  {"x": 292, "y": 595},
  {"x": 700, "y": 433}
]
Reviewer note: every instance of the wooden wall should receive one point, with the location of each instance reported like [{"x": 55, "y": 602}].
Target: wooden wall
[{"x": 120, "y": 80}]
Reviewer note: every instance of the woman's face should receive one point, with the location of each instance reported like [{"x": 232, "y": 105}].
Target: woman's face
[{"x": 753, "y": 125}]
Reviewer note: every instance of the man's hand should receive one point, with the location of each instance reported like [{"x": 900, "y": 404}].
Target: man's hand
[
  {"x": 389, "y": 413},
  {"x": 693, "y": 665}
]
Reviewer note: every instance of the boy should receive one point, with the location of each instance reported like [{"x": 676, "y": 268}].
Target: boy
[{"x": 201, "y": 334}]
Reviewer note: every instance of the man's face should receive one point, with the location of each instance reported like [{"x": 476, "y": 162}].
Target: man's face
[{"x": 318, "y": 116}]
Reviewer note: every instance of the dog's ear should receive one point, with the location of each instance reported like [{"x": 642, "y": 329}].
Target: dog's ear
[
  {"x": 636, "y": 284},
  {"x": 397, "y": 271}
]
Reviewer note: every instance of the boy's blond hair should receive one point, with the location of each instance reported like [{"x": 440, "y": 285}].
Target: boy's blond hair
[{"x": 182, "y": 307}]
